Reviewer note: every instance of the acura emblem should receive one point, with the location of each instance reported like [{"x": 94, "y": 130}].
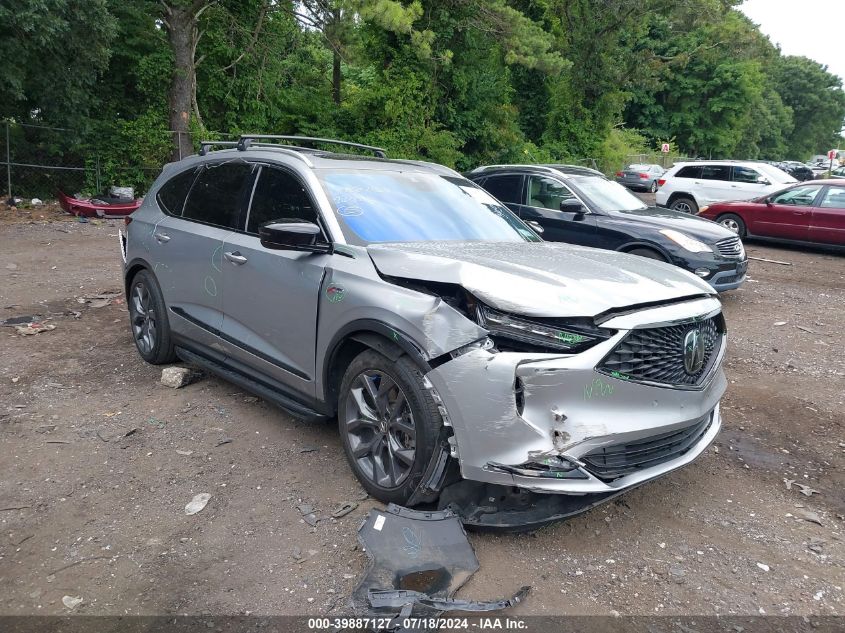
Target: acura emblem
[{"x": 693, "y": 352}]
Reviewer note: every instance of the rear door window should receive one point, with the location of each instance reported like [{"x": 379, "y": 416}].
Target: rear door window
[
  {"x": 716, "y": 172},
  {"x": 215, "y": 198},
  {"x": 505, "y": 188},
  {"x": 171, "y": 196},
  {"x": 834, "y": 198},
  {"x": 691, "y": 171}
]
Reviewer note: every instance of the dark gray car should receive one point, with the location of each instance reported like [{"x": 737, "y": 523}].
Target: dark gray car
[{"x": 463, "y": 357}]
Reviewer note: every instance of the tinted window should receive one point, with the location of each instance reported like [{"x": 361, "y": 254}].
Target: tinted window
[
  {"x": 278, "y": 195},
  {"x": 547, "y": 193},
  {"x": 505, "y": 188},
  {"x": 746, "y": 174},
  {"x": 171, "y": 196},
  {"x": 715, "y": 172},
  {"x": 834, "y": 198},
  {"x": 693, "y": 171},
  {"x": 798, "y": 196},
  {"x": 215, "y": 196},
  {"x": 398, "y": 206}
]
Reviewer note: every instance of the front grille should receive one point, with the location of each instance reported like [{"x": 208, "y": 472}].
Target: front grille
[
  {"x": 611, "y": 462},
  {"x": 656, "y": 355},
  {"x": 730, "y": 247}
]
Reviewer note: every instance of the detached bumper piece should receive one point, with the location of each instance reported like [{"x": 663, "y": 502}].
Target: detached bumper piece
[{"x": 418, "y": 560}]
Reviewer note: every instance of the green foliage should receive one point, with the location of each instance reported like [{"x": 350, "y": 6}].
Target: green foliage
[{"x": 460, "y": 82}]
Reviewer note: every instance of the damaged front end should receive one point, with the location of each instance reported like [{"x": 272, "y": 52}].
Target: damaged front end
[{"x": 542, "y": 435}]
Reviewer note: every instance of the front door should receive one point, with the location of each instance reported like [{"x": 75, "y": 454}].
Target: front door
[
  {"x": 787, "y": 215},
  {"x": 542, "y": 205},
  {"x": 270, "y": 296}
]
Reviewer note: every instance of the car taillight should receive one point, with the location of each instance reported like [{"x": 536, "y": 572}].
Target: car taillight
[
  {"x": 643, "y": 176},
  {"x": 619, "y": 174},
  {"x": 661, "y": 182}
]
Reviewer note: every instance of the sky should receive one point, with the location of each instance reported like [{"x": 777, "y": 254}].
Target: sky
[{"x": 812, "y": 28}]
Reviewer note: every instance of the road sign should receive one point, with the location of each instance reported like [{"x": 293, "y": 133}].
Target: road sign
[
  {"x": 665, "y": 148},
  {"x": 832, "y": 154}
]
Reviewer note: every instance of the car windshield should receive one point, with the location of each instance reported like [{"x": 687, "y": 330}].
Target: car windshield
[
  {"x": 396, "y": 206},
  {"x": 608, "y": 195},
  {"x": 774, "y": 174}
]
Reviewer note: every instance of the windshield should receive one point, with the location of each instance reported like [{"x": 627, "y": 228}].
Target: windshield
[
  {"x": 774, "y": 174},
  {"x": 396, "y": 206},
  {"x": 608, "y": 195}
]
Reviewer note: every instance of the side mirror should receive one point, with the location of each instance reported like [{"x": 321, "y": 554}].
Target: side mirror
[
  {"x": 572, "y": 206},
  {"x": 291, "y": 235},
  {"x": 536, "y": 226},
  {"x": 763, "y": 181}
]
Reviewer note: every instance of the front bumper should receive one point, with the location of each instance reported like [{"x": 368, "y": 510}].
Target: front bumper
[
  {"x": 569, "y": 410},
  {"x": 723, "y": 273}
]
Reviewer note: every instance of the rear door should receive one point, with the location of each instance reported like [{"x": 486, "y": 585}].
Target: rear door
[
  {"x": 827, "y": 225},
  {"x": 187, "y": 250},
  {"x": 542, "y": 204},
  {"x": 507, "y": 188},
  {"x": 714, "y": 184},
  {"x": 787, "y": 215},
  {"x": 270, "y": 296}
]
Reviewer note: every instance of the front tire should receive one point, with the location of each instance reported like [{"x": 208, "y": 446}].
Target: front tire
[
  {"x": 148, "y": 320},
  {"x": 648, "y": 253},
  {"x": 734, "y": 223},
  {"x": 388, "y": 424},
  {"x": 684, "y": 205}
]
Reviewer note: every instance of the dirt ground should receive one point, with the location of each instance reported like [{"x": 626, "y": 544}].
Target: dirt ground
[{"x": 99, "y": 460}]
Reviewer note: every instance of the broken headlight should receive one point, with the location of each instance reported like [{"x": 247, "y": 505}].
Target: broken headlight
[{"x": 570, "y": 337}]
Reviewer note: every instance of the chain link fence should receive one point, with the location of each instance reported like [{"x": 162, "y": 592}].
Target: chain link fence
[{"x": 38, "y": 161}]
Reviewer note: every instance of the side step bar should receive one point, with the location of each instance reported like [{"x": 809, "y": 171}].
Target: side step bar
[{"x": 263, "y": 391}]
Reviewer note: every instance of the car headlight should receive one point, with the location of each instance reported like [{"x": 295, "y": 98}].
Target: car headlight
[
  {"x": 686, "y": 242},
  {"x": 574, "y": 338}
]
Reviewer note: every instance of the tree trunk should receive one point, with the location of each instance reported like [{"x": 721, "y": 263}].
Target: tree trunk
[
  {"x": 180, "y": 34},
  {"x": 336, "y": 76}
]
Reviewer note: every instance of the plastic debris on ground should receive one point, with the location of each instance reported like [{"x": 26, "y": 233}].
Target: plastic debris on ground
[
  {"x": 198, "y": 503},
  {"x": 418, "y": 560}
]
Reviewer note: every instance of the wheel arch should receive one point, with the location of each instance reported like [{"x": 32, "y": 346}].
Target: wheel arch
[
  {"x": 132, "y": 269},
  {"x": 356, "y": 337},
  {"x": 629, "y": 246},
  {"x": 681, "y": 194}
]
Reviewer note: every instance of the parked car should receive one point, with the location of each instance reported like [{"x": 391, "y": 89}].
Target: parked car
[
  {"x": 597, "y": 212},
  {"x": 687, "y": 187},
  {"x": 811, "y": 212},
  {"x": 640, "y": 177},
  {"x": 797, "y": 170},
  {"x": 464, "y": 358},
  {"x": 838, "y": 173}
]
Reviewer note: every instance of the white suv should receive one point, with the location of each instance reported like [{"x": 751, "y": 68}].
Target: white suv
[{"x": 689, "y": 186}]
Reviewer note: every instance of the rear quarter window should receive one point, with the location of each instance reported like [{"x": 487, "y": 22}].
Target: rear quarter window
[
  {"x": 171, "y": 196},
  {"x": 691, "y": 171}
]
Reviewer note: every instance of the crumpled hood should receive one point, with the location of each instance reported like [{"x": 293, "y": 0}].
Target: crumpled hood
[{"x": 540, "y": 279}]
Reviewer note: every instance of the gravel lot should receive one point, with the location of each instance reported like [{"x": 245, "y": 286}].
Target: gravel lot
[{"x": 99, "y": 460}]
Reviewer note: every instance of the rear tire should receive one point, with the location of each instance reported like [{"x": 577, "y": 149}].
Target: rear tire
[
  {"x": 653, "y": 188},
  {"x": 388, "y": 423},
  {"x": 734, "y": 223},
  {"x": 684, "y": 205},
  {"x": 647, "y": 252},
  {"x": 148, "y": 320}
]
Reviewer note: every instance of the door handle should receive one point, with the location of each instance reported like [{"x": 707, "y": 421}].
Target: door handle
[
  {"x": 235, "y": 257},
  {"x": 161, "y": 238}
]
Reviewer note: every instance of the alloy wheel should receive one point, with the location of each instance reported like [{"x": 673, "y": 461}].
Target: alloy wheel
[
  {"x": 731, "y": 225},
  {"x": 143, "y": 318},
  {"x": 380, "y": 428},
  {"x": 683, "y": 207}
]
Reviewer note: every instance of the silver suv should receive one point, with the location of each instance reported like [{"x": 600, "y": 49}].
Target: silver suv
[{"x": 466, "y": 361}]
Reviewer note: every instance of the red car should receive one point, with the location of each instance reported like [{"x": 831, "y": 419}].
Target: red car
[{"x": 808, "y": 212}]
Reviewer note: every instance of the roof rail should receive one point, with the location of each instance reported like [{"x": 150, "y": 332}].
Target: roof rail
[
  {"x": 246, "y": 140},
  {"x": 486, "y": 167},
  {"x": 204, "y": 145}
]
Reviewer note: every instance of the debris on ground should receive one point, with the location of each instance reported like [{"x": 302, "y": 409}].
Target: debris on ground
[
  {"x": 808, "y": 515},
  {"x": 344, "y": 509},
  {"x": 770, "y": 261},
  {"x": 31, "y": 329},
  {"x": 178, "y": 377},
  {"x": 198, "y": 503},
  {"x": 19, "y": 320},
  {"x": 418, "y": 560},
  {"x": 71, "y": 602},
  {"x": 101, "y": 300}
]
